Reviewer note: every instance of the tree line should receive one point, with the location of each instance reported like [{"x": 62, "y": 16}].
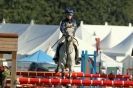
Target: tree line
[{"x": 115, "y": 12}]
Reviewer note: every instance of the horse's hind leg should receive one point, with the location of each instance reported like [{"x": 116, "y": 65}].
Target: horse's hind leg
[
  {"x": 57, "y": 69},
  {"x": 59, "y": 65}
]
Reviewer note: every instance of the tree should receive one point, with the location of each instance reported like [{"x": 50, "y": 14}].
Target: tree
[{"x": 118, "y": 12}]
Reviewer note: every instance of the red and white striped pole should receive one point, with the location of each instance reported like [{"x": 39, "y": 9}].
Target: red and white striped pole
[
  {"x": 74, "y": 74},
  {"x": 74, "y": 82}
]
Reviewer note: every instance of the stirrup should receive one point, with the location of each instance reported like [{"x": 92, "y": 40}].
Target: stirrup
[{"x": 78, "y": 61}]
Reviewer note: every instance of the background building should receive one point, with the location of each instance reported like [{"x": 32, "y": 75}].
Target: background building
[{"x": 115, "y": 41}]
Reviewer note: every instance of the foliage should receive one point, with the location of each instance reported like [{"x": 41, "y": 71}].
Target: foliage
[
  {"x": 118, "y": 12},
  {"x": 6, "y": 73}
]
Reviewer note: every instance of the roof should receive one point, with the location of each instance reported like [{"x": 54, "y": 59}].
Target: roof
[
  {"x": 123, "y": 47},
  {"x": 35, "y": 36},
  {"x": 38, "y": 57},
  {"x": 127, "y": 58},
  {"x": 108, "y": 61}
]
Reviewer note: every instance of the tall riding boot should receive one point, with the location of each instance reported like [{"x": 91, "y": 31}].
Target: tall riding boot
[
  {"x": 56, "y": 57},
  {"x": 78, "y": 58}
]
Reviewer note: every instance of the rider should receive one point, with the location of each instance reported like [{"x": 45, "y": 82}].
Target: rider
[{"x": 68, "y": 22}]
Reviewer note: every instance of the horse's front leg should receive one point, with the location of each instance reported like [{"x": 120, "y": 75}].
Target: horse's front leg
[
  {"x": 57, "y": 68},
  {"x": 70, "y": 71},
  {"x": 70, "y": 67},
  {"x": 69, "y": 77}
]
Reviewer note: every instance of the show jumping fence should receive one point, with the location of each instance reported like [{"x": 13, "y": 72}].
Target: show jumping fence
[
  {"x": 73, "y": 74},
  {"x": 118, "y": 83}
]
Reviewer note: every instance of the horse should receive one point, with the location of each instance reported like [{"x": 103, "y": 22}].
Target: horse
[{"x": 67, "y": 55}]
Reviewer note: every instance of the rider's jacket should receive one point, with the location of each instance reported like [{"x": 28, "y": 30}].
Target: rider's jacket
[{"x": 68, "y": 24}]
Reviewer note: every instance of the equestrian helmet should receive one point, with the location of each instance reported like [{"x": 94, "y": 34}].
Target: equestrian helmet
[{"x": 69, "y": 11}]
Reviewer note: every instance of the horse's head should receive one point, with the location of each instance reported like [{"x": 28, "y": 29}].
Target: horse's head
[
  {"x": 69, "y": 32},
  {"x": 69, "y": 38}
]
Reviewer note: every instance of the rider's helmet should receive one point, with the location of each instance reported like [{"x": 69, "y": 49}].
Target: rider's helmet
[{"x": 69, "y": 11}]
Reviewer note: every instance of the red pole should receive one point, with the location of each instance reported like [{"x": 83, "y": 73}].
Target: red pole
[
  {"x": 73, "y": 82},
  {"x": 74, "y": 74}
]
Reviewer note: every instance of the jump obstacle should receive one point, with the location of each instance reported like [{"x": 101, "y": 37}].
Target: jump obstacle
[
  {"x": 73, "y": 74},
  {"x": 77, "y": 82}
]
